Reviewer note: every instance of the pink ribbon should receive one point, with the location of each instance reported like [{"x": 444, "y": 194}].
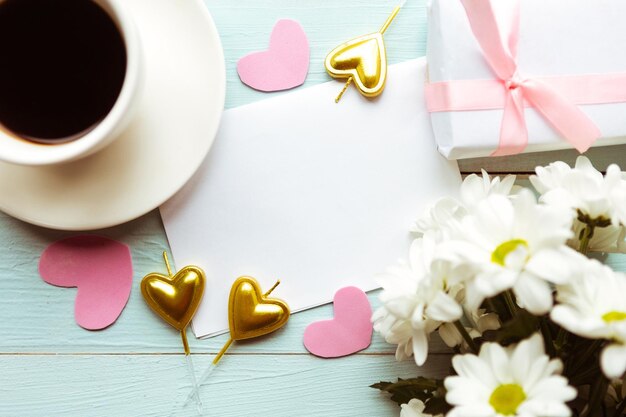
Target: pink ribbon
[{"x": 498, "y": 39}]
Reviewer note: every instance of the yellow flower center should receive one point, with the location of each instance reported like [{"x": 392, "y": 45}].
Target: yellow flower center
[
  {"x": 506, "y": 398},
  {"x": 612, "y": 316},
  {"x": 498, "y": 256}
]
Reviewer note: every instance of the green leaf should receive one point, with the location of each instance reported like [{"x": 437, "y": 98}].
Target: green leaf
[
  {"x": 404, "y": 390},
  {"x": 437, "y": 405},
  {"x": 519, "y": 328}
]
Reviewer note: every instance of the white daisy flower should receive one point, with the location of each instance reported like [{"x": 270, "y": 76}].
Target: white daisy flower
[
  {"x": 582, "y": 188},
  {"x": 515, "y": 381},
  {"x": 479, "y": 321},
  {"x": 415, "y": 302},
  {"x": 608, "y": 239},
  {"x": 593, "y": 197},
  {"x": 415, "y": 408},
  {"x": 482, "y": 322},
  {"x": 507, "y": 244},
  {"x": 440, "y": 217},
  {"x": 475, "y": 189},
  {"x": 594, "y": 306}
]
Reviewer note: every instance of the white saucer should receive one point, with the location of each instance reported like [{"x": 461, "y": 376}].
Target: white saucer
[{"x": 173, "y": 130}]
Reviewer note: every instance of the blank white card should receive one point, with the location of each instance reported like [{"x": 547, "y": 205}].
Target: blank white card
[{"x": 317, "y": 194}]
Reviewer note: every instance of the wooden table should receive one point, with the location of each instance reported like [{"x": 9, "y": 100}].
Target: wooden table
[{"x": 51, "y": 367}]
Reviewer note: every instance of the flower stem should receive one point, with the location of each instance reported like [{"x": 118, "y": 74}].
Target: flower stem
[
  {"x": 466, "y": 336},
  {"x": 620, "y": 409},
  {"x": 561, "y": 338},
  {"x": 560, "y": 345},
  {"x": 598, "y": 392},
  {"x": 547, "y": 336},
  {"x": 508, "y": 299},
  {"x": 582, "y": 377},
  {"x": 593, "y": 347},
  {"x": 492, "y": 306},
  {"x": 587, "y": 233}
]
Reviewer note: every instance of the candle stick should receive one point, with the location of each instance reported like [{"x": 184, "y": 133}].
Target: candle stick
[
  {"x": 168, "y": 296},
  {"x": 246, "y": 321},
  {"x": 362, "y": 60}
]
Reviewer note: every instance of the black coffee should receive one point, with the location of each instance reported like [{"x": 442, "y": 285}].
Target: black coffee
[{"x": 62, "y": 66}]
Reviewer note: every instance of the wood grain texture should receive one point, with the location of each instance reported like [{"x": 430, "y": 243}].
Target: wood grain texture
[
  {"x": 245, "y": 26},
  {"x": 46, "y": 323},
  {"x": 242, "y": 386},
  {"x": 52, "y": 367},
  {"x": 47, "y": 312},
  {"x": 329, "y": 23}
]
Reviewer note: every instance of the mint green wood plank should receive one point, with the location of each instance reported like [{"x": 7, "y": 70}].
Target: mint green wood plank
[
  {"x": 39, "y": 318},
  {"x": 242, "y": 386},
  {"x": 329, "y": 23},
  {"x": 42, "y": 316},
  {"x": 246, "y": 26}
]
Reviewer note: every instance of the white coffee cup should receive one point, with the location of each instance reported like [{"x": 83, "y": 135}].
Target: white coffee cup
[{"x": 19, "y": 151}]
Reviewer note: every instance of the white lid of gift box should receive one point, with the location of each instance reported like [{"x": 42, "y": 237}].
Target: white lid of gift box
[{"x": 557, "y": 37}]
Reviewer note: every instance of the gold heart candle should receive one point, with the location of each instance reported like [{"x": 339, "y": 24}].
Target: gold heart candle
[
  {"x": 175, "y": 298},
  {"x": 251, "y": 314},
  {"x": 362, "y": 60}
]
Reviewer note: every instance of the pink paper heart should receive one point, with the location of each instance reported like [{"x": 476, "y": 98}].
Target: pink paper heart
[
  {"x": 99, "y": 267},
  {"x": 349, "y": 332},
  {"x": 284, "y": 65}
]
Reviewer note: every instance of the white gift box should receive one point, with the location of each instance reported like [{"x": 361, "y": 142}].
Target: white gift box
[{"x": 557, "y": 38}]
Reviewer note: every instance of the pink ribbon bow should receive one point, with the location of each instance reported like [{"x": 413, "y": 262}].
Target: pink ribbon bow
[{"x": 498, "y": 39}]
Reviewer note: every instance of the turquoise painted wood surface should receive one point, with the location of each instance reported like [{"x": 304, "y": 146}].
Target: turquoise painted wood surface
[{"x": 51, "y": 367}]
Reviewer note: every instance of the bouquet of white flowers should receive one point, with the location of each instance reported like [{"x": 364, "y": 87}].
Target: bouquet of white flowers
[{"x": 539, "y": 326}]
